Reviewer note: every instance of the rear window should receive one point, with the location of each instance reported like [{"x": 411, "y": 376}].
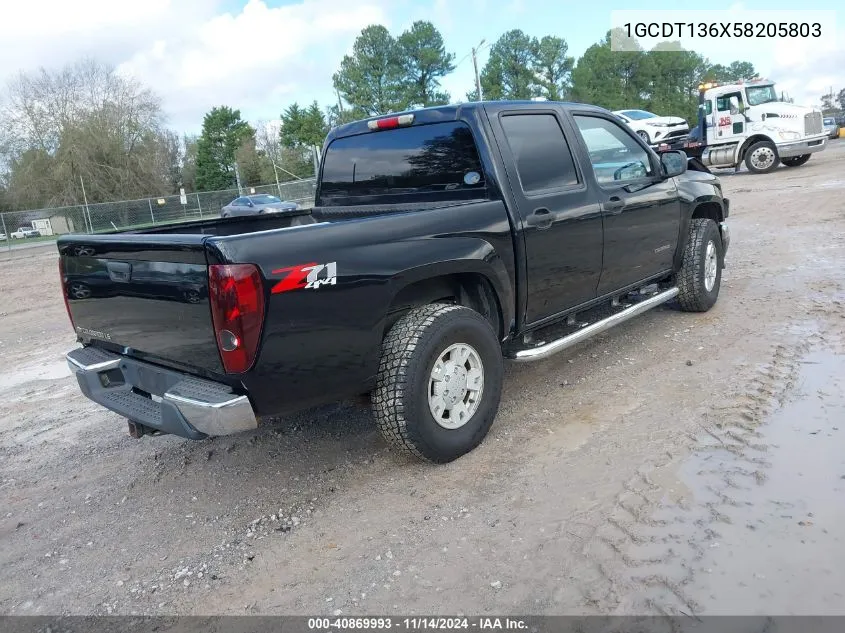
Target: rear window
[{"x": 424, "y": 162}]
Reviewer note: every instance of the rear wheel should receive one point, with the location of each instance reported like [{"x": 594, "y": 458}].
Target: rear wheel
[
  {"x": 439, "y": 382},
  {"x": 701, "y": 271},
  {"x": 796, "y": 161},
  {"x": 762, "y": 157}
]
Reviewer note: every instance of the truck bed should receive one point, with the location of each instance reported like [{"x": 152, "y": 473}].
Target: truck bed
[
  {"x": 229, "y": 226},
  {"x": 145, "y": 293}
]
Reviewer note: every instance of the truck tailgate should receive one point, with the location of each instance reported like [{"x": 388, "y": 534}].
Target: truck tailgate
[{"x": 147, "y": 293}]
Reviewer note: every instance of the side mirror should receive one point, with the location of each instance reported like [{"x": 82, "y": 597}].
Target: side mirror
[
  {"x": 674, "y": 163},
  {"x": 249, "y": 203}
]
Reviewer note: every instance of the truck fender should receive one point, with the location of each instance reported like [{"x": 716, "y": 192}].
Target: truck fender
[
  {"x": 707, "y": 206},
  {"x": 741, "y": 148},
  {"x": 480, "y": 259}
]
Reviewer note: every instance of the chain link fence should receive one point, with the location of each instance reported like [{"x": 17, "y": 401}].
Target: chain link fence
[{"x": 136, "y": 214}]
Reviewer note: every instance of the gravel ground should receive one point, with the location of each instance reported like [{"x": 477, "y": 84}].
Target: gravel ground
[{"x": 679, "y": 463}]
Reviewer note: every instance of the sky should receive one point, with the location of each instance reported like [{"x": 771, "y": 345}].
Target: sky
[{"x": 262, "y": 55}]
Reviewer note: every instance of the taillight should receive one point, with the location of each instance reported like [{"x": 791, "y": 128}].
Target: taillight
[
  {"x": 237, "y": 311},
  {"x": 63, "y": 280}
]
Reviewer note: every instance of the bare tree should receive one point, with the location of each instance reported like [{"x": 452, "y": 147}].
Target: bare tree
[{"x": 84, "y": 121}]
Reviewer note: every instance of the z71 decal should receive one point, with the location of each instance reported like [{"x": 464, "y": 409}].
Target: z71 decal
[{"x": 306, "y": 276}]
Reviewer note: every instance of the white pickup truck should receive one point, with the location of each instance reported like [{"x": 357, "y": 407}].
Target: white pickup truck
[{"x": 25, "y": 231}]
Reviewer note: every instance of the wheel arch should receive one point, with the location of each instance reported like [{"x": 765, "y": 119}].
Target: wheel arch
[
  {"x": 710, "y": 207},
  {"x": 756, "y": 138},
  {"x": 476, "y": 289}
]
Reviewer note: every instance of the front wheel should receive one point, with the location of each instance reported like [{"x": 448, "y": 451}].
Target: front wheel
[
  {"x": 439, "y": 382},
  {"x": 644, "y": 135},
  {"x": 796, "y": 161},
  {"x": 701, "y": 271},
  {"x": 762, "y": 157}
]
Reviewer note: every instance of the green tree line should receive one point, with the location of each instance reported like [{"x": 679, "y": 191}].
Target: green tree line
[{"x": 53, "y": 137}]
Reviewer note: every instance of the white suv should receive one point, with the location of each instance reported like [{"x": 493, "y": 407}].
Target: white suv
[{"x": 654, "y": 129}]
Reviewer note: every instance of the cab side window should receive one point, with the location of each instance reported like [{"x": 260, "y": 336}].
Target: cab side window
[
  {"x": 723, "y": 103},
  {"x": 542, "y": 155},
  {"x": 616, "y": 157}
]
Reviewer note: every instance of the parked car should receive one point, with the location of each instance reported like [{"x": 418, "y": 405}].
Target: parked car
[
  {"x": 442, "y": 241},
  {"x": 831, "y": 127},
  {"x": 654, "y": 129},
  {"x": 24, "y": 232},
  {"x": 255, "y": 204},
  {"x": 2, "y": 237}
]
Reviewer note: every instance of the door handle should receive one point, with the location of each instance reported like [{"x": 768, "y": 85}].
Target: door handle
[
  {"x": 541, "y": 218},
  {"x": 614, "y": 204}
]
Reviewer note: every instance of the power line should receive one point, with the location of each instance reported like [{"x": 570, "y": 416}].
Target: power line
[
  {"x": 463, "y": 59},
  {"x": 469, "y": 54}
]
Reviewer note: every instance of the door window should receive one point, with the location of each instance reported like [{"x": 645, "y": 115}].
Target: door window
[
  {"x": 542, "y": 155},
  {"x": 616, "y": 157},
  {"x": 723, "y": 103}
]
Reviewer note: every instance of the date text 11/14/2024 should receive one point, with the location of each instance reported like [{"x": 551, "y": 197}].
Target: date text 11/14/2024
[{"x": 415, "y": 623}]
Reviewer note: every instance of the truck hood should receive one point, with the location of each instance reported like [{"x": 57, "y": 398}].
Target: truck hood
[{"x": 782, "y": 109}]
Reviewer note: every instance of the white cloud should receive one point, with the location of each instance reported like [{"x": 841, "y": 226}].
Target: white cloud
[
  {"x": 37, "y": 33},
  {"x": 809, "y": 74},
  {"x": 257, "y": 60}
]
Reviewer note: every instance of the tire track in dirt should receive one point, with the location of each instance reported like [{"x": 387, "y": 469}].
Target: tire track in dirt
[{"x": 647, "y": 551}]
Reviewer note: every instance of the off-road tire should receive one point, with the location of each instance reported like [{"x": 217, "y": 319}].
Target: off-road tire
[
  {"x": 693, "y": 295},
  {"x": 796, "y": 161},
  {"x": 400, "y": 398},
  {"x": 760, "y": 145}
]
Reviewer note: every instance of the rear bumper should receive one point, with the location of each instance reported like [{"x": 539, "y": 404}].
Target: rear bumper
[{"x": 159, "y": 398}]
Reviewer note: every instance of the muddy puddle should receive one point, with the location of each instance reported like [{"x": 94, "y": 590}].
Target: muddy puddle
[
  {"x": 46, "y": 371},
  {"x": 774, "y": 542}
]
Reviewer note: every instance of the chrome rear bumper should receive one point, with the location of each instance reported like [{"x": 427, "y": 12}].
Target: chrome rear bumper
[{"x": 159, "y": 398}]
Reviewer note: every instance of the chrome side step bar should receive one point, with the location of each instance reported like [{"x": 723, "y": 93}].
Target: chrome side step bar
[{"x": 549, "y": 349}]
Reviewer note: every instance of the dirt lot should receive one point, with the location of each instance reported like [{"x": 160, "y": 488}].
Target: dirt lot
[{"x": 679, "y": 463}]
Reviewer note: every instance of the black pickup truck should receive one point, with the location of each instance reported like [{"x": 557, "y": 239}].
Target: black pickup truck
[{"x": 442, "y": 241}]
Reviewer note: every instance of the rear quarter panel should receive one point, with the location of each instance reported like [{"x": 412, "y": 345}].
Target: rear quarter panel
[{"x": 323, "y": 343}]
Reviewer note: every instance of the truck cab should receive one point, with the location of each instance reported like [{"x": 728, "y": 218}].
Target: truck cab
[{"x": 746, "y": 121}]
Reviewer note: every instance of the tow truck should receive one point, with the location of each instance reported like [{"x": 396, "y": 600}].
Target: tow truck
[{"x": 745, "y": 121}]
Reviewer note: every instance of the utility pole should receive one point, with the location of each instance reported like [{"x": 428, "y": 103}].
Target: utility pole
[
  {"x": 276, "y": 173},
  {"x": 238, "y": 178},
  {"x": 87, "y": 214},
  {"x": 475, "y": 67}
]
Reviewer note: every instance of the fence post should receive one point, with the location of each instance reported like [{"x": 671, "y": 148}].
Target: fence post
[
  {"x": 151, "y": 210},
  {"x": 6, "y": 233},
  {"x": 199, "y": 206}
]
